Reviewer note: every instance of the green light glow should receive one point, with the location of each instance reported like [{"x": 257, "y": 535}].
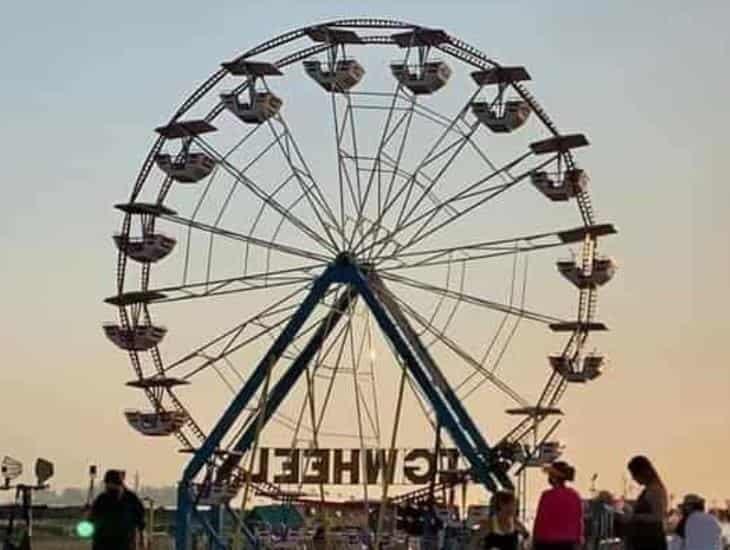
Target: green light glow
[{"x": 85, "y": 529}]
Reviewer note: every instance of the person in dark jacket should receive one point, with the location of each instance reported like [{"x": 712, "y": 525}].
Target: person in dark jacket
[
  {"x": 645, "y": 522},
  {"x": 118, "y": 516}
]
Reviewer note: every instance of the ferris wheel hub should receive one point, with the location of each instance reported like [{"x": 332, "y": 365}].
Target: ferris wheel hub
[{"x": 345, "y": 258}]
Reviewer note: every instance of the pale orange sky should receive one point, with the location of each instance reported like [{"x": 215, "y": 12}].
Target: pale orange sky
[{"x": 647, "y": 83}]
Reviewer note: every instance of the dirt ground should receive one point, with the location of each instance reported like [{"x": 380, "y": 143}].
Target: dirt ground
[{"x": 57, "y": 543}]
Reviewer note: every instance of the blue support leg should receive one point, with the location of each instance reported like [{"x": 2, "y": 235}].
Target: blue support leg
[
  {"x": 183, "y": 517},
  {"x": 216, "y": 523},
  {"x": 290, "y": 378},
  {"x": 439, "y": 380},
  {"x": 238, "y": 405},
  {"x": 444, "y": 412}
]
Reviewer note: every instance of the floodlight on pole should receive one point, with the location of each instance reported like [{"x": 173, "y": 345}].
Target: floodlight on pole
[
  {"x": 10, "y": 469},
  {"x": 44, "y": 471}
]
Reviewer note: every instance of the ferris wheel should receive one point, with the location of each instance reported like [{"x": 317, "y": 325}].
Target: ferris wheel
[{"x": 350, "y": 231}]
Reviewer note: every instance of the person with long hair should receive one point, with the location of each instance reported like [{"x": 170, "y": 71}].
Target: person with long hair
[
  {"x": 645, "y": 522},
  {"x": 559, "y": 519},
  {"x": 502, "y": 530}
]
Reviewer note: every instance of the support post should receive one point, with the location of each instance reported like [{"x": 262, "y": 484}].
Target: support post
[{"x": 183, "y": 517}]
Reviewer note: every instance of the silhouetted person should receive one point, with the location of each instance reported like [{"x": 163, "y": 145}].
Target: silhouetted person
[
  {"x": 559, "y": 519},
  {"x": 698, "y": 529},
  {"x": 118, "y": 516},
  {"x": 645, "y": 523}
]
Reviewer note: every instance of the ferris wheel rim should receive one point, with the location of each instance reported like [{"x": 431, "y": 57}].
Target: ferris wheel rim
[{"x": 453, "y": 47}]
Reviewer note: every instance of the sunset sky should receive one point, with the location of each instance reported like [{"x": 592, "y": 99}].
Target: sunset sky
[{"x": 86, "y": 82}]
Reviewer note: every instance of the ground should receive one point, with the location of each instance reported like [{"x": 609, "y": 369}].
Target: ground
[{"x": 60, "y": 543}]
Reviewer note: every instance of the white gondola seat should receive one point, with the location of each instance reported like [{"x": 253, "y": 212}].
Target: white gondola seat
[
  {"x": 574, "y": 182},
  {"x": 593, "y": 366},
  {"x": 581, "y": 372},
  {"x": 263, "y": 107},
  {"x": 139, "y": 338},
  {"x": 423, "y": 79},
  {"x": 604, "y": 268},
  {"x": 546, "y": 453},
  {"x": 191, "y": 169},
  {"x": 562, "y": 364},
  {"x": 518, "y": 452},
  {"x": 149, "y": 248},
  {"x": 571, "y": 270},
  {"x": 215, "y": 494},
  {"x": 566, "y": 368},
  {"x": 502, "y": 119},
  {"x": 346, "y": 74},
  {"x": 156, "y": 423}
]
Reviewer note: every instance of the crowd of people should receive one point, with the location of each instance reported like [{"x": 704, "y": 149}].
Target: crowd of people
[{"x": 645, "y": 524}]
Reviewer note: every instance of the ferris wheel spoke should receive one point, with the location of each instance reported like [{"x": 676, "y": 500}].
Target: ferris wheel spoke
[
  {"x": 461, "y": 353},
  {"x": 344, "y": 180},
  {"x": 271, "y": 245},
  {"x": 232, "y": 336},
  {"x": 435, "y": 152},
  {"x": 264, "y": 197},
  {"x": 355, "y": 361},
  {"x": 388, "y": 165},
  {"x": 449, "y": 203},
  {"x": 309, "y": 186},
  {"x": 266, "y": 329},
  {"x": 514, "y": 288},
  {"x": 309, "y": 401},
  {"x": 385, "y": 137},
  {"x": 442, "y": 300},
  {"x": 393, "y": 166},
  {"x": 245, "y": 283},
  {"x": 394, "y": 162},
  {"x": 300, "y": 169},
  {"x": 500, "y": 355},
  {"x": 321, "y": 356},
  {"x": 426, "y": 229},
  {"x": 390, "y": 130},
  {"x": 362, "y": 199},
  {"x": 466, "y": 254},
  {"x": 462, "y": 127},
  {"x": 473, "y": 300},
  {"x": 356, "y": 354},
  {"x": 450, "y": 152},
  {"x": 344, "y": 335}
]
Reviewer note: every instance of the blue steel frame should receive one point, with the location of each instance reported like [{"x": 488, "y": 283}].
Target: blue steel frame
[{"x": 360, "y": 281}]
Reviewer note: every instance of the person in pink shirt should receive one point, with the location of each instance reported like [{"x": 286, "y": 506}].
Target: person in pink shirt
[{"x": 559, "y": 520}]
